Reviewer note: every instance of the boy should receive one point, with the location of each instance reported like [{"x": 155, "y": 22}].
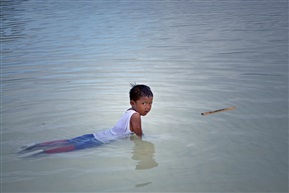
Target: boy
[{"x": 141, "y": 99}]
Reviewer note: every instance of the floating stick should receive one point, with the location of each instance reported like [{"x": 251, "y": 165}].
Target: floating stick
[{"x": 219, "y": 110}]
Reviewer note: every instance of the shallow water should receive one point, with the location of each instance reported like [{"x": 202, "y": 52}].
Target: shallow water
[{"x": 66, "y": 70}]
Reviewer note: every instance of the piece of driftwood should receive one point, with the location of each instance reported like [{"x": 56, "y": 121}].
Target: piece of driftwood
[{"x": 219, "y": 110}]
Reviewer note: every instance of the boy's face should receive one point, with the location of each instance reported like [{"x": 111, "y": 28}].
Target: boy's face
[{"x": 143, "y": 105}]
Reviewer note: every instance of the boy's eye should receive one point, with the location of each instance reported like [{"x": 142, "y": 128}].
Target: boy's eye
[{"x": 145, "y": 103}]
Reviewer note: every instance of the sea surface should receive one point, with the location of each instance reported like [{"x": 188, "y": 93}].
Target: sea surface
[{"x": 66, "y": 69}]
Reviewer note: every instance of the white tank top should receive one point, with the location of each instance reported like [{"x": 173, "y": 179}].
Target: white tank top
[{"x": 120, "y": 130}]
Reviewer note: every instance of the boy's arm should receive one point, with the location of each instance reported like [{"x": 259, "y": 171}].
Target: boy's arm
[{"x": 135, "y": 124}]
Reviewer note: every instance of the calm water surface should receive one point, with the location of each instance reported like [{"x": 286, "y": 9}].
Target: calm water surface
[{"x": 66, "y": 69}]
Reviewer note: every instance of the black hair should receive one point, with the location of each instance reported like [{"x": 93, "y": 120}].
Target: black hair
[{"x": 139, "y": 90}]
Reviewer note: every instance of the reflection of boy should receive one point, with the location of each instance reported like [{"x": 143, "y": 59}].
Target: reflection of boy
[
  {"x": 143, "y": 152},
  {"x": 141, "y": 98}
]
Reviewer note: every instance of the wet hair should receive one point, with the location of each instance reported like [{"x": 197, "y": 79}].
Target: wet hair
[{"x": 139, "y": 90}]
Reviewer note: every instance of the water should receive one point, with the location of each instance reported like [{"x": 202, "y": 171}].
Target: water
[{"x": 66, "y": 69}]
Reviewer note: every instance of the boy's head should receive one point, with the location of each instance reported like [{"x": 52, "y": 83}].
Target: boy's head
[
  {"x": 141, "y": 99},
  {"x": 139, "y": 90}
]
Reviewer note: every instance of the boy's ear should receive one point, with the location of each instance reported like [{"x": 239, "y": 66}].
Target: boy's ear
[{"x": 132, "y": 102}]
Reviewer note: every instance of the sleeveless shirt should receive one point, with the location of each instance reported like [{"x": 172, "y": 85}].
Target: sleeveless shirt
[{"x": 120, "y": 130}]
